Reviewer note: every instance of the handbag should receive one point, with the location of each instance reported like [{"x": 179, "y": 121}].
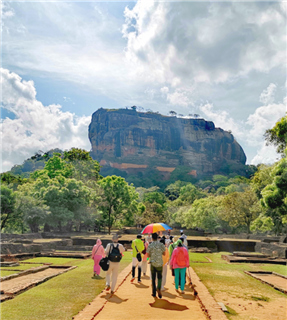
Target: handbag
[
  {"x": 139, "y": 256},
  {"x": 105, "y": 263}
]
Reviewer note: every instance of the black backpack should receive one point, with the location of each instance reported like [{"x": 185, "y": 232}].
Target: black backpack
[{"x": 114, "y": 254}]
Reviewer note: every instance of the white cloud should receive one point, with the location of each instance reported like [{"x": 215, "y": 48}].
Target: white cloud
[
  {"x": 267, "y": 96},
  {"x": 223, "y": 120},
  {"x": 250, "y": 133},
  {"x": 6, "y": 11},
  {"x": 205, "y": 43},
  {"x": 36, "y": 127}
]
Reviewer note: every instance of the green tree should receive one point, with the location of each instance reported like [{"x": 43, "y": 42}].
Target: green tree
[
  {"x": 172, "y": 191},
  {"x": 262, "y": 224},
  {"x": 278, "y": 135},
  {"x": 8, "y": 201},
  {"x": 156, "y": 206},
  {"x": 68, "y": 200},
  {"x": 54, "y": 167},
  {"x": 32, "y": 209},
  {"x": 274, "y": 195},
  {"x": 188, "y": 194},
  {"x": 118, "y": 200},
  {"x": 202, "y": 214},
  {"x": 261, "y": 179},
  {"x": 11, "y": 180},
  {"x": 85, "y": 167},
  {"x": 240, "y": 208}
]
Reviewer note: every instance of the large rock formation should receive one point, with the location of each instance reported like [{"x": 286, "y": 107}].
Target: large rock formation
[{"x": 134, "y": 141}]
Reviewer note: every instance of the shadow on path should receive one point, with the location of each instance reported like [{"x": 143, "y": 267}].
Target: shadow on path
[
  {"x": 165, "y": 304},
  {"x": 141, "y": 286},
  {"x": 114, "y": 298}
]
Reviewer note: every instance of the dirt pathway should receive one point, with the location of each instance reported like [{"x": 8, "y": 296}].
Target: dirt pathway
[{"x": 134, "y": 301}]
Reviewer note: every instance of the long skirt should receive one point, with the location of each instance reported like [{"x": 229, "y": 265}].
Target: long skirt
[{"x": 97, "y": 268}]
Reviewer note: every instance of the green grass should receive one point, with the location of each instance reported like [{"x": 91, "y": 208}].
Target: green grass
[
  {"x": 231, "y": 311},
  {"x": 221, "y": 277},
  {"x": 61, "y": 297},
  {"x": 4, "y": 273},
  {"x": 260, "y": 298},
  {"x": 198, "y": 257},
  {"x": 275, "y": 268}
]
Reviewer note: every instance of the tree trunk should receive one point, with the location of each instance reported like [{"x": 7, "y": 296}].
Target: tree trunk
[
  {"x": 4, "y": 221},
  {"x": 109, "y": 221}
]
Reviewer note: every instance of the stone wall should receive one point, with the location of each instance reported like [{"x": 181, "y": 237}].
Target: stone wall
[
  {"x": 12, "y": 236},
  {"x": 272, "y": 249},
  {"x": 13, "y": 248}
]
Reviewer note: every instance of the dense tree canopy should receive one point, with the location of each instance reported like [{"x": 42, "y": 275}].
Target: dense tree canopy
[
  {"x": 240, "y": 208},
  {"x": 118, "y": 200},
  {"x": 278, "y": 135},
  {"x": 8, "y": 201}
]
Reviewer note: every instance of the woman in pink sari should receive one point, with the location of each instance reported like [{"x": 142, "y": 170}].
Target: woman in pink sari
[{"x": 97, "y": 254}]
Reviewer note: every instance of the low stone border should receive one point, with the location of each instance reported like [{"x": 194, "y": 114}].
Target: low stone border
[
  {"x": 23, "y": 273},
  {"x": 238, "y": 259},
  {"x": 253, "y": 274},
  {"x": 6, "y": 295},
  {"x": 65, "y": 255},
  {"x": 208, "y": 303}
]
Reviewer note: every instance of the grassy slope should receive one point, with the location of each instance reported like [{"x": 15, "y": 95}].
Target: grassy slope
[{"x": 61, "y": 297}]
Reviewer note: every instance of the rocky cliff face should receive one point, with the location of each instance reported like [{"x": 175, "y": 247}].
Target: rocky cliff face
[{"x": 133, "y": 141}]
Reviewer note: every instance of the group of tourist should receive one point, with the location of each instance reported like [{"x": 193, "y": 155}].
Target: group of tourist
[{"x": 158, "y": 252}]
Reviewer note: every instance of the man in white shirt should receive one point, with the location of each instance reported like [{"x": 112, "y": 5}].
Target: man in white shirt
[{"x": 114, "y": 266}]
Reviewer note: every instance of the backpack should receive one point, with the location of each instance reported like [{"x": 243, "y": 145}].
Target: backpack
[
  {"x": 114, "y": 254},
  {"x": 180, "y": 259}
]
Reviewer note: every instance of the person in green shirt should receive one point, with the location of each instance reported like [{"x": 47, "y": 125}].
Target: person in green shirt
[{"x": 138, "y": 247}]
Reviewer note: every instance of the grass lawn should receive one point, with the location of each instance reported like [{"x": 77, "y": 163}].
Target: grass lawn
[
  {"x": 5, "y": 271},
  {"x": 61, "y": 297},
  {"x": 227, "y": 281}
]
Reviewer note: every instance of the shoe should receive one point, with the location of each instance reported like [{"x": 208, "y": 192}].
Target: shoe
[
  {"x": 153, "y": 295},
  {"x": 144, "y": 274},
  {"x": 108, "y": 288},
  {"x": 177, "y": 290},
  {"x": 132, "y": 279},
  {"x": 112, "y": 292},
  {"x": 182, "y": 292},
  {"x": 139, "y": 281},
  {"x": 159, "y": 293}
]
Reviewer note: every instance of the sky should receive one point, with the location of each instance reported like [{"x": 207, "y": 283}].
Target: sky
[{"x": 63, "y": 60}]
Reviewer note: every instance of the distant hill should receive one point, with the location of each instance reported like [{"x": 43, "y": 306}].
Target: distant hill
[{"x": 36, "y": 162}]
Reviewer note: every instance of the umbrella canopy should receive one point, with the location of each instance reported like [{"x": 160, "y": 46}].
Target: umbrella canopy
[
  {"x": 155, "y": 227},
  {"x": 166, "y": 227}
]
